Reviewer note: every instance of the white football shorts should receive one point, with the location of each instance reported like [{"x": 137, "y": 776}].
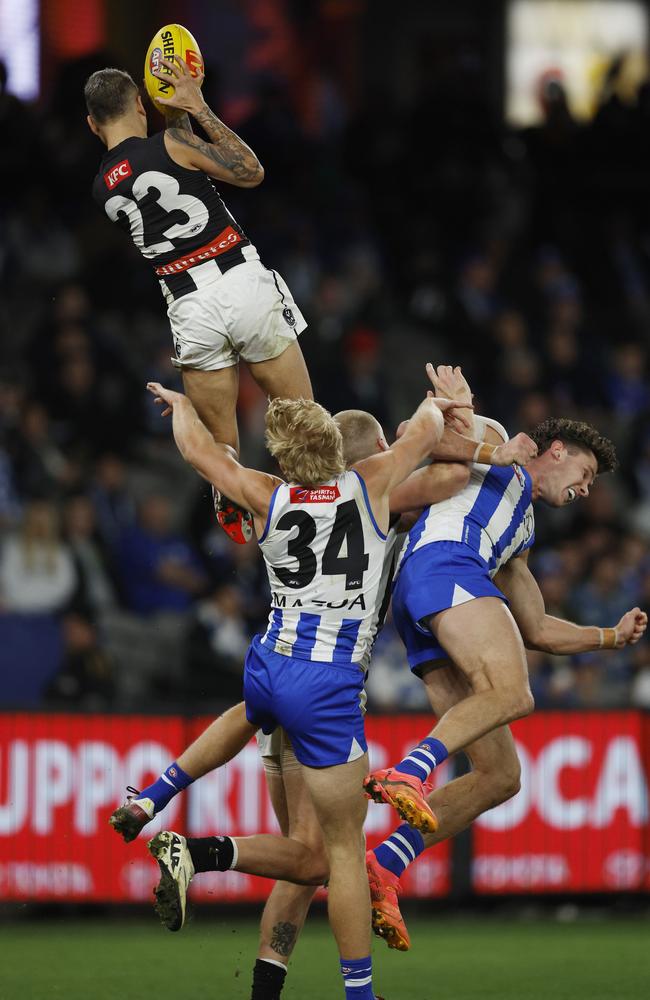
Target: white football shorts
[{"x": 248, "y": 313}]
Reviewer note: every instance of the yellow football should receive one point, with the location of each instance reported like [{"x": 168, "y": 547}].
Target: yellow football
[{"x": 172, "y": 40}]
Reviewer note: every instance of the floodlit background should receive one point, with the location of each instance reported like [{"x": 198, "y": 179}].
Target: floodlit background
[{"x": 462, "y": 182}]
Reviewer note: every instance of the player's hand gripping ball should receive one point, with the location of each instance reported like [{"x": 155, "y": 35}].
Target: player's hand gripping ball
[{"x": 172, "y": 40}]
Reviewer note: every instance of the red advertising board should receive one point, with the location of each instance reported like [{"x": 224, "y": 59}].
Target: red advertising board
[
  {"x": 62, "y": 775},
  {"x": 580, "y": 821},
  {"x": 60, "y": 778}
]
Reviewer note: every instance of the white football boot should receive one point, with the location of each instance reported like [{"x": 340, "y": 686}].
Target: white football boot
[{"x": 176, "y": 871}]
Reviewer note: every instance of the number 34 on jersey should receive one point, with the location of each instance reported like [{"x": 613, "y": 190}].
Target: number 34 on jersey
[{"x": 325, "y": 557}]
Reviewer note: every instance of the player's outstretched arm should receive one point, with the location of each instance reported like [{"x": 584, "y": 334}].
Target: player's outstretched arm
[
  {"x": 433, "y": 484},
  {"x": 226, "y": 156},
  {"x": 455, "y": 447},
  {"x": 215, "y": 462},
  {"x": 383, "y": 472},
  {"x": 555, "y": 635}
]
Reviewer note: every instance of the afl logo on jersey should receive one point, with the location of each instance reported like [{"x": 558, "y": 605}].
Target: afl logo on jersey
[{"x": 117, "y": 173}]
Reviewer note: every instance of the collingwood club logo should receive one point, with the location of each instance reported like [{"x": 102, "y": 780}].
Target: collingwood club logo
[{"x": 289, "y": 318}]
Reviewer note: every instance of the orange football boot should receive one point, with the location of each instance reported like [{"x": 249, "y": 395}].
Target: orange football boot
[
  {"x": 387, "y": 921},
  {"x": 405, "y": 793}
]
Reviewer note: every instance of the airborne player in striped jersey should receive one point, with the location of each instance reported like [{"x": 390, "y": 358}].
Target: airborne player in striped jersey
[{"x": 223, "y": 305}]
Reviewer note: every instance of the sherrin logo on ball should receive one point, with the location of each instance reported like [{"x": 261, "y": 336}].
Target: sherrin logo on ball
[{"x": 172, "y": 40}]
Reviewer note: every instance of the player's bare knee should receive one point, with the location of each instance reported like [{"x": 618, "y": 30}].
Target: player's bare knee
[
  {"x": 506, "y": 781},
  {"x": 523, "y": 704},
  {"x": 499, "y": 773},
  {"x": 319, "y": 869},
  {"x": 315, "y": 868}
]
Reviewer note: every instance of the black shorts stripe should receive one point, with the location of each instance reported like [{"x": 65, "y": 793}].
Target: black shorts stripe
[
  {"x": 275, "y": 279},
  {"x": 180, "y": 284},
  {"x": 230, "y": 259}
]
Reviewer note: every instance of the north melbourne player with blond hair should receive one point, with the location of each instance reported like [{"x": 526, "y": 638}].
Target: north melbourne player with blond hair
[{"x": 323, "y": 541}]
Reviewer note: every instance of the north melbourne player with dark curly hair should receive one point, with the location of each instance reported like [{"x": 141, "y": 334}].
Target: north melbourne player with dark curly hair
[{"x": 466, "y": 605}]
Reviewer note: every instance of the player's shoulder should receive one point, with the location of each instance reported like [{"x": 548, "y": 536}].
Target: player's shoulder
[{"x": 490, "y": 430}]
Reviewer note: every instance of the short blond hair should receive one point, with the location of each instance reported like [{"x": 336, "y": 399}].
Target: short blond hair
[
  {"x": 361, "y": 432},
  {"x": 305, "y": 440}
]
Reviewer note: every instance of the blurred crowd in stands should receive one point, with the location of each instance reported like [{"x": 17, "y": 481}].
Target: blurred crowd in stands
[{"x": 407, "y": 234}]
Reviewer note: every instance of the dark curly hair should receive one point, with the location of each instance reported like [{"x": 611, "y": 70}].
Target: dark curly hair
[{"x": 579, "y": 434}]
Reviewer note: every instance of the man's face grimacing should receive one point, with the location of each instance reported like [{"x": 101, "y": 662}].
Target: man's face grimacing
[{"x": 570, "y": 474}]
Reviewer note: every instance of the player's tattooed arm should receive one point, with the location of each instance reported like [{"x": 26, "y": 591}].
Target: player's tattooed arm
[
  {"x": 178, "y": 121},
  {"x": 234, "y": 160},
  {"x": 283, "y": 938},
  {"x": 225, "y": 156}
]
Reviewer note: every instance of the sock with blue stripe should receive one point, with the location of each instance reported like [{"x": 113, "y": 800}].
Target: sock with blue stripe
[
  {"x": 170, "y": 783},
  {"x": 423, "y": 758},
  {"x": 399, "y": 850},
  {"x": 357, "y": 978}
]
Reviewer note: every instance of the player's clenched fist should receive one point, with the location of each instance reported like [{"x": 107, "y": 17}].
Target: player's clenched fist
[
  {"x": 631, "y": 627},
  {"x": 518, "y": 450}
]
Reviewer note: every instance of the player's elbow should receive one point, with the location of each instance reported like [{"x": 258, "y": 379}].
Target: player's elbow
[
  {"x": 253, "y": 176},
  {"x": 535, "y": 639}
]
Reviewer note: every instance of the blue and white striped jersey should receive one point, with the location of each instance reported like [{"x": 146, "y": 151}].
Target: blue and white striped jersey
[
  {"x": 493, "y": 515},
  {"x": 329, "y": 569}
]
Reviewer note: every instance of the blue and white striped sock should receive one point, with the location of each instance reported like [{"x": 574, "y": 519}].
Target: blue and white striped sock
[
  {"x": 423, "y": 758},
  {"x": 357, "y": 978},
  {"x": 400, "y": 849}
]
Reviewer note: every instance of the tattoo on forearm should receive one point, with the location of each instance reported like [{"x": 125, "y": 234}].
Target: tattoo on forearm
[
  {"x": 178, "y": 120},
  {"x": 225, "y": 148},
  {"x": 283, "y": 938}
]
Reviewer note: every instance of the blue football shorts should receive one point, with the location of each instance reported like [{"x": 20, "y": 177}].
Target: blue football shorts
[
  {"x": 320, "y": 705},
  {"x": 438, "y": 576}
]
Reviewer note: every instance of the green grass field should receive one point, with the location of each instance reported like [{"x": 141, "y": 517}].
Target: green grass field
[{"x": 211, "y": 959}]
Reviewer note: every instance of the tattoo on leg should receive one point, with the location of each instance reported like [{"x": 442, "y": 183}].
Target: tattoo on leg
[{"x": 283, "y": 937}]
